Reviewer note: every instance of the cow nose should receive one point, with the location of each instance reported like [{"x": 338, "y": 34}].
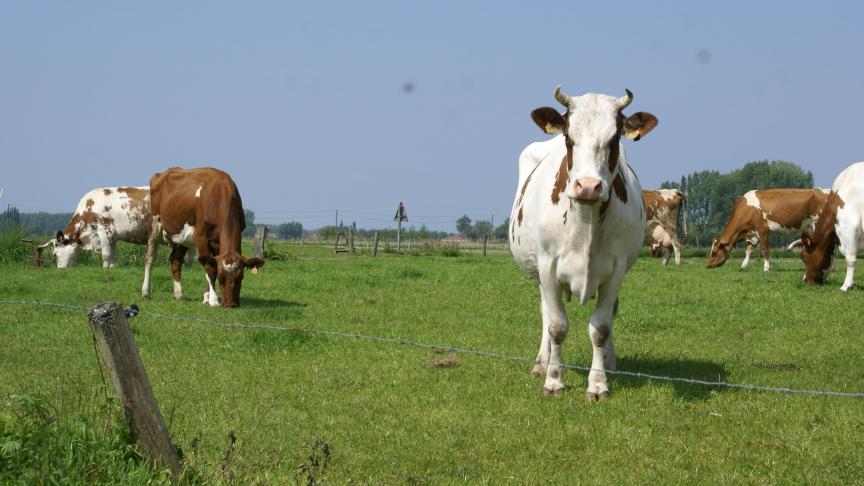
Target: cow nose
[{"x": 588, "y": 189}]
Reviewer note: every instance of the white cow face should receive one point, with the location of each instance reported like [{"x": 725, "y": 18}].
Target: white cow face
[
  {"x": 592, "y": 127},
  {"x": 65, "y": 250}
]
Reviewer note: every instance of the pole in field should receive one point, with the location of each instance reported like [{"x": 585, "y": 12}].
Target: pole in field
[
  {"x": 119, "y": 357},
  {"x": 401, "y": 215}
]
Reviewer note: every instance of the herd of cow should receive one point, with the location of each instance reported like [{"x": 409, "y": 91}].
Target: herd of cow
[
  {"x": 198, "y": 208},
  {"x": 577, "y": 224}
]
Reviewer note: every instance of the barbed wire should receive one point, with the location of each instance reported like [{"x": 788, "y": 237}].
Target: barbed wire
[{"x": 467, "y": 351}]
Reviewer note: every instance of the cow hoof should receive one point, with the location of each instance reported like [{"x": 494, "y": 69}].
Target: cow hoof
[
  {"x": 538, "y": 370},
  {"x": 596, "y": 397},
  {"x": 145, "y": 295},
  {"x": 845, "y": 288},
  {"x": 553, "y": 393}
]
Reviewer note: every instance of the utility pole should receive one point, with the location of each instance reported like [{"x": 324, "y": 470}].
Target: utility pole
[{"x": 401, "y": 215}]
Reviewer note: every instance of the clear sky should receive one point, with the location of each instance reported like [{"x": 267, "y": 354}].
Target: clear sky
[{"x": 315, "y": 107}]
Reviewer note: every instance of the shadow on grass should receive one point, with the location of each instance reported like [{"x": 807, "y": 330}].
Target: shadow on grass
[
  {"x": 681, "y": 368},
  {"x": 276, "y": 303}
]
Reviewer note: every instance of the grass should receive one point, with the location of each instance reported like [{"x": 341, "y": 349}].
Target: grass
[{"x": 390, "y": 414}]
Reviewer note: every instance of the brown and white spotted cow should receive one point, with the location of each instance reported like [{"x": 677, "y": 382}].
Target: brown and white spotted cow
[
  {"x": 758, "y": 213},
  {"x": 662, "y": 208},
  {"x": 199, "y": 208},
  {"x": 103, "y": 217},
  {"x": 578, "y": 222}
]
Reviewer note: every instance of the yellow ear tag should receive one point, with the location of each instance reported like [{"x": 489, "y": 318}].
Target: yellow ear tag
[
  {"x": 254, "y": 269},
  {"x": 632, "y": 134}
]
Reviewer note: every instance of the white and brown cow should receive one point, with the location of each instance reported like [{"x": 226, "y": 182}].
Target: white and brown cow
[
  {"x": 103, "y": 217},
  {"x": 199, "y": 208},
  {"x": 662, "y": 208},
  {"x": 758, "y": 213},
  {"x": 841, "y": 223},
  {"x": 577, "y": 223}
]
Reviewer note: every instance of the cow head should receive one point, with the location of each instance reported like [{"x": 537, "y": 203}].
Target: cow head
[
  {"x": 229, "y": 272},
  {"x": 64, "y": 250},
  {"x": 592, "y": 127},
  {"x": 719, "y": 253},
  {"x": 817, "y": 254}
]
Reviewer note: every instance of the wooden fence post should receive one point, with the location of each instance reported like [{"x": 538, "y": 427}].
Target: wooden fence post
[
  {"x": 260, "y": 235},
  {"x": 375, "y": 245},
  {"x": 120, "y": 360},
  {"x": 351, "y": 231},
  {"x": 485, "y": 238}
]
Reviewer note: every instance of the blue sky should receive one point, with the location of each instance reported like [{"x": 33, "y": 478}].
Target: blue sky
[{"x": 304, "y": 103}]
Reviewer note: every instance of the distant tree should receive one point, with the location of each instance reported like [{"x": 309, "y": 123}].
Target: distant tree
[
  {"x": 502, "y": 229},
  {"x": 464, "y": 227},
  {"x": 288, "y": 230},
  {"x": 43, "y": 224},
  {"x": 10, "y": 220},
  {"x": 249, "y": 215},
  {"x": 482, "y": 228},
  {"x": 328, "y": 232}
]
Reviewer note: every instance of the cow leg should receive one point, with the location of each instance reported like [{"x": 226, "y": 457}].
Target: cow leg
[
  {"x": 210, "y": 272},
  {"x": 555, "y": 325},
  {"x": 849, "y": 248},
  {"x": 765, "y": 249},
  {"x": 542, "y": 355},
  {"x": 177, "y": 254},
  {"x": 107, "y": 249},
  {"x": 600, "y": 333},
  {"x": 155, "y": 229},
  {"x": 676, "y": 246},
  {"x": 747, "y": 252},
  {"x": 665, "y": 256}
]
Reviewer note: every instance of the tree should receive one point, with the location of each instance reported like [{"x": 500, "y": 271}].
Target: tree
[
  {"x": 291, "y": 229},
  {"x": 249, "y": 215},
  {"x": 482, "y": 228},
  {"x": 502, "y": 230},
  {"x": 464, "y": 227}
]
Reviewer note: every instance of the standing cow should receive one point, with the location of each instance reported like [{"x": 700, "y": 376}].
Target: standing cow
[
  {"x": 199, "y": 208},
  {"x": 103, "y": 217},
  {"x": 577, "y": 223},
  {"x": 758, "y": 213},
  {"x": 841, "y": 223},
  {"x": 662, "y": 208}
]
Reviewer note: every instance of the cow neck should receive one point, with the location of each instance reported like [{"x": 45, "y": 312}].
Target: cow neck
[
  {"x": 230, "y": 231},
  {"x": 827, "y": 223}
]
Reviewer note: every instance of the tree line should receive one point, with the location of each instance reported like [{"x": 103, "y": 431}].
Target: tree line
[{"x": 711, "y": 194}]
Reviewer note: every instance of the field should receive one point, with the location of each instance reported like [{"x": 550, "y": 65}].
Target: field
[{"x": 389, "y": 415}]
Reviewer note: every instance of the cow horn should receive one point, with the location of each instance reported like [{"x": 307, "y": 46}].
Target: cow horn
[
  {"x": 625, "y": 100},
  {"x": 50, "y": 243},
  {"x": 561, "y": 97}
]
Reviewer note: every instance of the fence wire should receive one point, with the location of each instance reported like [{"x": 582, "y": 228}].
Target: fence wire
[{"x": 466, "y": 351}]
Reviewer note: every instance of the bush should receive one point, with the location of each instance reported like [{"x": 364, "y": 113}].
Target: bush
[{"x": 38, "y": 447}]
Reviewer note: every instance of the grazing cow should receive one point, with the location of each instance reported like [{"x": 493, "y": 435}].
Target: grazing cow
[
  {"x": 841, "y": 222},
  {"x": 104, "y": 216},
  {"x": 199, "y": 208},
  {"x": 760, "y": 212},
  {"x": 577, "y": 223},
  {"x": 662, "y": 208}
]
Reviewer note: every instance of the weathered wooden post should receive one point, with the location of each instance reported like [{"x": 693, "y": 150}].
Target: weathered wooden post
[
  {"x": 261, "y": 232},
  {"x": 120, "y": 360},
  {"x": 351, "y": 230},
  {"x": 375, "y": 245},
  {"x": 401, "y": 215},
  {"x": 485, "y": 238}
]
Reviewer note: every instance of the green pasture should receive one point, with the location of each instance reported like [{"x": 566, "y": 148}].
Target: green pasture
[{"x": 382, "y": 413}]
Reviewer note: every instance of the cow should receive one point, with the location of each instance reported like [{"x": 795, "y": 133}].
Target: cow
[
  {"x": 103, "y": 217},
  {"x": 199, "y": 208},
  {"x": 662, "y": 208},
  {"x": 841, "y": 223},
  {"x": 577, "y": 223},
  {"x": 758, "y": 213}
]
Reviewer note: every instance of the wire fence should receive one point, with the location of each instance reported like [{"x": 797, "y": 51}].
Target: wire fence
[{"x": 455, "y": 349}]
